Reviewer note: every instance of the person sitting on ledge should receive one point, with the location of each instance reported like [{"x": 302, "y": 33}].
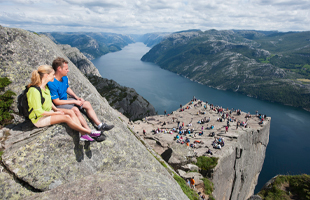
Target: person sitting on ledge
[
  {"x": 209, "y": 152},
  {"x": 248, "y": 115},
  {"x": 47, "y": 114},
  {"x": 59, "y": 88}
]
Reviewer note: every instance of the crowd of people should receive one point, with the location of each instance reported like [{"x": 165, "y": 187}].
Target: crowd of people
[
  {"x": 184, "y": 133},
  {"x": 188, "y": 133}
]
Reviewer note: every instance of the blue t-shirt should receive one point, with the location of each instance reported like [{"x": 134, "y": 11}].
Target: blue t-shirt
[{"x": 59, "y": 88}]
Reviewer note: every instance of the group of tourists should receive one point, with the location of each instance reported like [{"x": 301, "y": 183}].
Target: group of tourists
[
  {"x": 51, "y": 84},
  {"x": 218, "y": 143}
]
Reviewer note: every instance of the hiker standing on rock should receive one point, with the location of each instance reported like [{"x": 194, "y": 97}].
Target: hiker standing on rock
[{"x": 192, "y": 182}]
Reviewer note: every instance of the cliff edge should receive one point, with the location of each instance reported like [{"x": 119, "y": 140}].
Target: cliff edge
[
  {"x": 50, "y": 162},
  {"x": 240, "y": 159}
]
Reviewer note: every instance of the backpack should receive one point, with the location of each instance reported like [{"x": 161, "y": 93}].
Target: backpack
[{"x": 22, "y": 102}]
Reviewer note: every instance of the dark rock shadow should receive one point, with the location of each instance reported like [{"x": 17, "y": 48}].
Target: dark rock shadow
[
  {"x": 88, "y": 152},
  {"x": 79, "y": 146},
  {"x": 26, "y": 125},
  {"x": 167, "y": 154}
]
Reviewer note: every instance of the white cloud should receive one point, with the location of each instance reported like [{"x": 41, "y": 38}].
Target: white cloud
[{"x": 144, "y": 16}]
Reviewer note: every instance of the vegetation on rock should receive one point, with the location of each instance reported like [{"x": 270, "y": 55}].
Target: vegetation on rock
[
  {"x": 6, "y": 100},
  {"x": 206, "y": 163},
  {"x": 287, "y": 187},
  {"x": 190, "y": 193}
]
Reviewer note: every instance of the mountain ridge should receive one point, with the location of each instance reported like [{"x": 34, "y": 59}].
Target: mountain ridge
[{"x": 227, "y": 60}]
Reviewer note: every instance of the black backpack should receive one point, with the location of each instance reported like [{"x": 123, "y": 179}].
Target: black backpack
[{"x": 22, "y": 102}]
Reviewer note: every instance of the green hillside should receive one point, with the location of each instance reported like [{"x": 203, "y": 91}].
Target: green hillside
[{"x": 272, "y": 66}]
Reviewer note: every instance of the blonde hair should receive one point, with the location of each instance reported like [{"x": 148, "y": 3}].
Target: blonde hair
[{"x": 37, "y": 75}]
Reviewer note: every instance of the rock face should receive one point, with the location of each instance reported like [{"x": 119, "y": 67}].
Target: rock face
[
  {"x": 51, "y": 161},
  {"x": 235, "y": 177},
  {"x": 79, "y": 60},
  {"x": 124, "y": 99}
]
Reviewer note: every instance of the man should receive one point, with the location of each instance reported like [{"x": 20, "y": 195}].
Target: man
[
  {"x": 192, "y": 182},
  {"x": 59, "y": 90}
]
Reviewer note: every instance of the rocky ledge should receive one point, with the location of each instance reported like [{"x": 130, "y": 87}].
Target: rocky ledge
[{"x": 240, "y": 159}]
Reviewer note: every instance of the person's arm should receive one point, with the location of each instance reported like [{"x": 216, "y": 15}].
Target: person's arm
[
  {"x": 59, "y": 102},
  {"x": 50, "y": 113},
  {"x": 71, "y": 93}
]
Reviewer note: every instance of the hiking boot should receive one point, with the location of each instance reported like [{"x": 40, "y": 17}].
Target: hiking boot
[
  {"x": 86, "y": 138},
  {"x": 101, "y": 138},
  {"x": 106, "y": 127},
  {"x": 94, "y": 134}
]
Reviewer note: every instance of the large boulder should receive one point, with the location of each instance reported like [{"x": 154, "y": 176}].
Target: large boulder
[
  {"x": 177, "y": 155},
  {"x": 51, "y": 161}
]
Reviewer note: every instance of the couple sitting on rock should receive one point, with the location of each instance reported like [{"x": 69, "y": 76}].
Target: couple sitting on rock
[{"x": 57, "y": 108}]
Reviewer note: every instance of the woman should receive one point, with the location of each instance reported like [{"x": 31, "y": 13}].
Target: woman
[{"x": 47, "y": 114}]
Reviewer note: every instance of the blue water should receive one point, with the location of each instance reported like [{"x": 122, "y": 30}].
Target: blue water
[{"x": 287, "y": 151}]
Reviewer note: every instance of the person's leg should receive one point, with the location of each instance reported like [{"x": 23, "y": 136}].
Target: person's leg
[
  {"x": 76, "y": 111},
  {"x": 56, "y": 119},
  {"x": 80, "y": 117},
  {"x": 91, "y": 113},
  {"x": 72, "y": 115}
]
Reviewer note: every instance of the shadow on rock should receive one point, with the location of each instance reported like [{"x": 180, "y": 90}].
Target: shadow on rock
[
  {"x": 79, "y": 146},
  {"x": 27, "y": 125}
]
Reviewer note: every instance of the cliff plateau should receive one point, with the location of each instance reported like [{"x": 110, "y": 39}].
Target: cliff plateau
[
  {"x": 50, "y": 162},
  {"x": 240, "y": 160}
]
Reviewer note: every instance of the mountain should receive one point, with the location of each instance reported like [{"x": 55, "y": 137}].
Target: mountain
[
  {"x": 150, "y": 39},
  {"x": 271, "y": 66},
  {"x": 92, "y": 45},
  {"x": 51, "y": 162}
]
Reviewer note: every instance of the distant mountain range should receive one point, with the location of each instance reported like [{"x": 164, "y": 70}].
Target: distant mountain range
[
  {"x": 270, "y": 65},
  {"x": 150, "y": 39},
  {"x": 94, "y": 45}
]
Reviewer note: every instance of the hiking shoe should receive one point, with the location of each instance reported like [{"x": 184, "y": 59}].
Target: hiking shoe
[
  {"x": 106, "y": 127},
  {"x": 86, "y": 138},
  {"x": 101, "y": 138},
  {"x": 95, "y": 134}
]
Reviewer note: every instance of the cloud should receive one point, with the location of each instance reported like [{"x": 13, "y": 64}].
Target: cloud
[{"x": 144, "y": 16}]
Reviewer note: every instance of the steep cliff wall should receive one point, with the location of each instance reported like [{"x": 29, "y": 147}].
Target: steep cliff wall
[
  {"x": 236, "y": 174},
  {"x": 50, "y": 162}
]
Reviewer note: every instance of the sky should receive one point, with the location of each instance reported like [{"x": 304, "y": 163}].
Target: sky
[{"x": 147, "y": 16}]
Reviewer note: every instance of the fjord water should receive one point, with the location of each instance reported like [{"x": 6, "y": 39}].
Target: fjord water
[{"x": 289, "y": 142}]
